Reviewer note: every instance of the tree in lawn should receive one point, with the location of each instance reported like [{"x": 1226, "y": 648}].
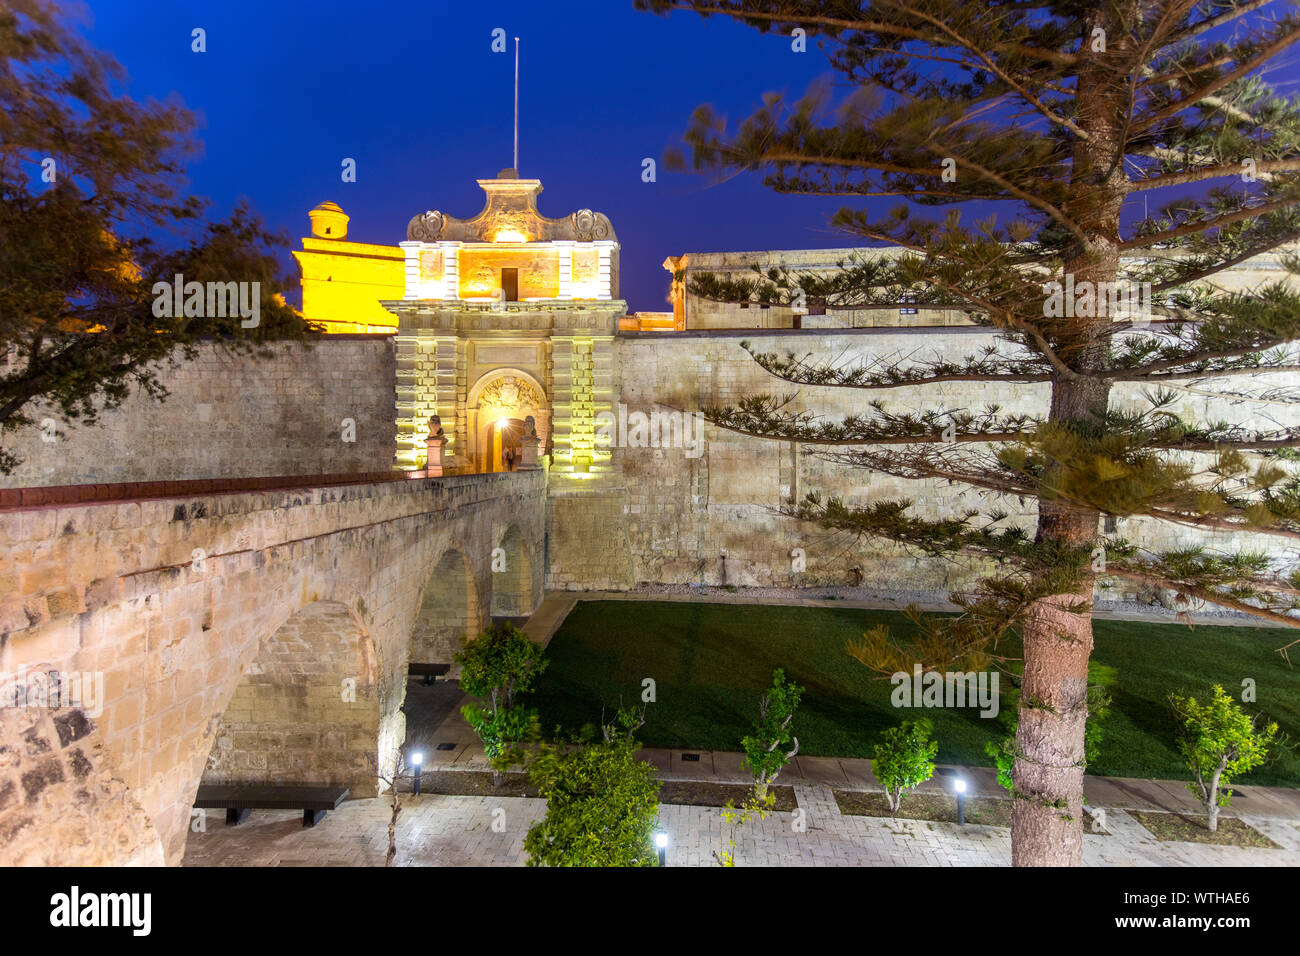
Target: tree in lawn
[
  {"x": 1068, "y": 113},
  {"x": 1218, "y": 741},
  {"x": 1003, "y": 750},
  {"x": 765, "y": 756},
  {"x": 86, "y": 175},
  {"x": 602, "y": 804},
  {"x": 498, "y": 664},
  {"x": 904, "y": 759},
  {"x": 765, "y": 753}
]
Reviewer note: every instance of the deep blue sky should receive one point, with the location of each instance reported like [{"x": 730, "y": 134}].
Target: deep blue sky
[{"x": 412, "y": 91}]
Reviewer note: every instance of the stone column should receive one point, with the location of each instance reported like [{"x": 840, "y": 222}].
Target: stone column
[
  {"x": 450, "y": 270},
  {"x": 604, "y": 268}
]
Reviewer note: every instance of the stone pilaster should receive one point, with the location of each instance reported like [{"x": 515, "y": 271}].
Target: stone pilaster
[
  {"x": 565, "y": 286},
  {"x": 450, "y": 271}
]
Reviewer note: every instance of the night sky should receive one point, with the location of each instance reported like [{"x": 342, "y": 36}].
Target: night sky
[{"x": 412, "y": 91}]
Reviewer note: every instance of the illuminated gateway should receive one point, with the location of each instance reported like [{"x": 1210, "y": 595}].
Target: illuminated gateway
[{"x": 500, "y": 317}]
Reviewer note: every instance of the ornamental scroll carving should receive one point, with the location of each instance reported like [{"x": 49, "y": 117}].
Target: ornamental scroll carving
[
  {"x": 426, "y": 227},
  {"x": 588, "y": 225}
]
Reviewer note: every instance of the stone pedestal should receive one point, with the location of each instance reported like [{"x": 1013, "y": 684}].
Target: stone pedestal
[
  {"x": 528, "y": 445},
  {"x": 436, "y": 449},
  {"x": 435, "y": 446}
]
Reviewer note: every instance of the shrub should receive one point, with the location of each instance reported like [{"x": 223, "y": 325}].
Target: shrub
[{"x": 765, "y": 753}]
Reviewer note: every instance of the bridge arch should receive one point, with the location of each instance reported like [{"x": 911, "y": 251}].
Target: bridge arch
[
  {"x": 515, "y": 585},
  {"x": 307, "y": 707},
  {"x": 449, "y": 610}
]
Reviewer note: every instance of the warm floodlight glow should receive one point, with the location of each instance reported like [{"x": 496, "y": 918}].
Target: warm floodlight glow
[
  {"x": 509, "y": 235},
  {"x": 502, "y": 422}
]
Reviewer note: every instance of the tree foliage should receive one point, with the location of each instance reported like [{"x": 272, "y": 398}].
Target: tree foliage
[
  {"x": 765, "y": 753},
  {"x": 602, "y": 804},
  {"x": 496, "y": 665},
  {"x": 904, "y": 758},
  {"x": 90, "y": 182},
  {"x": 1219, "y": 741},
  {"x": 1104, "y": 146}
]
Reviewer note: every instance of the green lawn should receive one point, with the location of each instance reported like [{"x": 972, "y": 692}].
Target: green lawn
[{"x": 710, "y": 662}]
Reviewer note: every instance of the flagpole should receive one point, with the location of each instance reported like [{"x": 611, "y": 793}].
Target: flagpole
[{"x": 516, "y": 106}]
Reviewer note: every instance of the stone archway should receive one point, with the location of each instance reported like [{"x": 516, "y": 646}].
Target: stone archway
[
  {"x": 449, "y": 611},
  {"x": 514, "y": 591},
  {"x": 497, "y": 405},
  {"x": 307, "y": 709}
]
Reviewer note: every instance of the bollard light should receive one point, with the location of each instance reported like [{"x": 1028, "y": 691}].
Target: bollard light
[
  {"x": 417, "y": 758},
  {"x": 661, "y": 841},
  {"x": 959, "y": 784}
]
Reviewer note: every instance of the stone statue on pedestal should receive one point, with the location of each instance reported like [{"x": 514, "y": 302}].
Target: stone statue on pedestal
[{"x": 435, "y": 444}]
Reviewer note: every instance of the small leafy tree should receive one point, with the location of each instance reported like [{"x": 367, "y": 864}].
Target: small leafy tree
[
  {"x": 765, "y": 756},
  {"x": 1218, "y": 741},
  {"x": 904, "y": 758},
  {"x": 498, "y": 664},
  {"x": 756, "y": 806},
  {"x": 1003, "y": 751},
  {"x": 765, "y": 753},
  {"x": 602, "y": 804}
]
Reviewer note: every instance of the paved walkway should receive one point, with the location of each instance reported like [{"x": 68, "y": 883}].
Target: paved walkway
[
  {"x": 439, "y": 830},
  {"x": 435, "y": 830}
]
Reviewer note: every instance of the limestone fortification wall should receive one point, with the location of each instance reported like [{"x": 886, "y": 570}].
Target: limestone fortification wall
[
  {"x": 231, "y": 416},
  {"x": 713, "y": 519}
]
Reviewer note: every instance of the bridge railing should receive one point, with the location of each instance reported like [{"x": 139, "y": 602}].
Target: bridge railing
[{"x": 12, "y": 499}]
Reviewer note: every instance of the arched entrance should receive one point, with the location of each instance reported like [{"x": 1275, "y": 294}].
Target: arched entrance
[{"x": 498, "y": 404}]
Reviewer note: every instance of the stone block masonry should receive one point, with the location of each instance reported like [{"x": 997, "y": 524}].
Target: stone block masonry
[
  {"x": 714, "y": 520},
  {"x": 232, "y": 630},
  {"x": 230, "y": 416}
]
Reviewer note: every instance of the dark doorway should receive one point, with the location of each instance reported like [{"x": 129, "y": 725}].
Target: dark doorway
[{"x": 510, "y": 284}]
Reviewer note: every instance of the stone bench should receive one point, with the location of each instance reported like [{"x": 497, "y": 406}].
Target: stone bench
[
  {"x": 427, "y": 671},
  {"x": 241, "y": 799}
]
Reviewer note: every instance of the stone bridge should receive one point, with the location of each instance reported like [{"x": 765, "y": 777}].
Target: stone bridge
[{"x": 226, "y": 631}]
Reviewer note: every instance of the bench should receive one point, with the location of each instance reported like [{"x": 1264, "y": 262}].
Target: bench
[
  {"x": 427, "y": 671},
  {"x": 239, "y": 800}
]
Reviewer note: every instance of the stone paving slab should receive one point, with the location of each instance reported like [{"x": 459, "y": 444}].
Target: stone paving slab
[{"x": 438, "y": 830}]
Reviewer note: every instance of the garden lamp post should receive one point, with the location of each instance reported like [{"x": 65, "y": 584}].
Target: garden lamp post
[
  {"x": 959, "y": 784},
  {"x": 661, "y": 842},
  {"x": 417, "y": 758}
]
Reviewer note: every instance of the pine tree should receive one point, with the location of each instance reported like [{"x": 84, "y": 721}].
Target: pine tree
[{"x": 1070, "y": 115}]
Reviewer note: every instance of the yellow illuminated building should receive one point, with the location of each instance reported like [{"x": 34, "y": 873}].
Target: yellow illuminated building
[{"x": 343, "y": 282}]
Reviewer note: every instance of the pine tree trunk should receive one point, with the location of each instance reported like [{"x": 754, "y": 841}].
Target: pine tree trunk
[{"x": 1047, "y": 812}]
